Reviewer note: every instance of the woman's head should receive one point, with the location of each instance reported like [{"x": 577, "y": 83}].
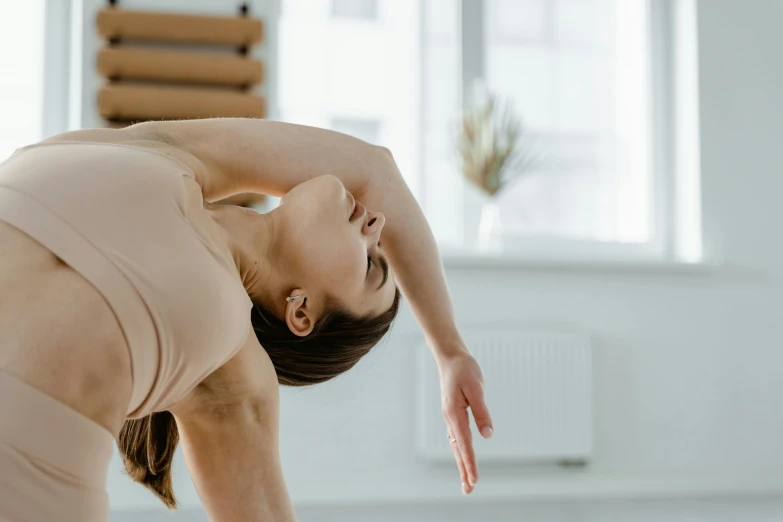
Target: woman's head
[
  {"x": 341, "y": 296},
  {"x": 328, "y": 250}
]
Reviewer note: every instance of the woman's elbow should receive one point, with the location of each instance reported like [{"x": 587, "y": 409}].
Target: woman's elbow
[
  {"x": 384, "y": 152},
  {"x": 385, "y": 167}
]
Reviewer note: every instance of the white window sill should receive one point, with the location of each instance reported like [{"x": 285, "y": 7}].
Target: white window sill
[{"x": 475, "y": 260}]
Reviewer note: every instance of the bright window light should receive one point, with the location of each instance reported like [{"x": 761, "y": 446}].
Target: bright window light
[{"x": 21, "y": 74}]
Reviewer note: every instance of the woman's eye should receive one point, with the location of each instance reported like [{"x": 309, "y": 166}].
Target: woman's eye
[{"x": 369, "y": 262}]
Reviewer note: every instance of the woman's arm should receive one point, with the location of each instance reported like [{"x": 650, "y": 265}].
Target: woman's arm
[{"x": 229, "y": 432}]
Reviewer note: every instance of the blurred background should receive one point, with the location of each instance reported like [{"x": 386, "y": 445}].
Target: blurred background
[{"x": 602, "y": 178}]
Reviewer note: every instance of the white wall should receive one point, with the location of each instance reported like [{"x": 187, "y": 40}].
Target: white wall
[{"x": 688, "y": 366}]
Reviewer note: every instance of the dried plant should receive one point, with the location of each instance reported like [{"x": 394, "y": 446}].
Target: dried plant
[{"x": 494, "y": 149}]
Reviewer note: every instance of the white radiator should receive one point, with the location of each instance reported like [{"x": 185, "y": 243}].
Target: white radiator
[{"x": 538, "y": 386}]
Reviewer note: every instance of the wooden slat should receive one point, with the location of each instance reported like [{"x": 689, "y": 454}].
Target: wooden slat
[
  {"x": 129, "y": 63},
  {"x": 146, "y": 102},
  {"x": 179, "y": 28}
]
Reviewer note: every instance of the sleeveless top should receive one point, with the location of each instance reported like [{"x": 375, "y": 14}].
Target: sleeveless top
[{"x": 117, "y": 214}]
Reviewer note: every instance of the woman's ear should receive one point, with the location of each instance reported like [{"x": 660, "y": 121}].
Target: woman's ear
[{"x": 299, "y": 315}]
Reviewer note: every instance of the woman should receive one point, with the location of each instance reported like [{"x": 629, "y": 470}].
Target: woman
[{"x": 132, "y": 307}]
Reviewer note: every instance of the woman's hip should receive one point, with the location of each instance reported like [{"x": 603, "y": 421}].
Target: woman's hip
[{"x": 53, "y": 460}]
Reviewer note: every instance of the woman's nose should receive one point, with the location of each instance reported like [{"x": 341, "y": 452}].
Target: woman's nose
[{"x": 374, "y": 224}]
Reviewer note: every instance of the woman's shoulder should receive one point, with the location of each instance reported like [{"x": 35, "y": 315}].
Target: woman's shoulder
[
  {"x": 133, "y": 139},
  {"x": 247, "y": 379}
]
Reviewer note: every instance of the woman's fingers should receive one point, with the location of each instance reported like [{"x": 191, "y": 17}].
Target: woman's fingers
[
  {"x": 460, "y": 425},
  {"x": 466, "y": 487},
  {"x": 462, "y": 388},
  {"x": 480, "y": 411}
]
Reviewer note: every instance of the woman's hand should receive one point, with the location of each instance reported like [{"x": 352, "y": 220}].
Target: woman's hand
[{"x": 462, "y": 385}]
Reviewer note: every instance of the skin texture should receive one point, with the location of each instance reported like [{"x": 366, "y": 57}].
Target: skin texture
[{"x": 310, "y": 246}]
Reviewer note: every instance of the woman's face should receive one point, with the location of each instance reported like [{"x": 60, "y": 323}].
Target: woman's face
[{"x": 332, "y": 247}]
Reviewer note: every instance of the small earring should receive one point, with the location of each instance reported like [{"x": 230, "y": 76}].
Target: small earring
[{"x": 291, "y": 298}]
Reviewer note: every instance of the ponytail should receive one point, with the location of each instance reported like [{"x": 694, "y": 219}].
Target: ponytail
[{"x": 147, "y": 447}]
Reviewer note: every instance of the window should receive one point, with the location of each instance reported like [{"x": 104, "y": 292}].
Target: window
[
  {"x": 21, "y": 74},
  {"x": 589, "y": 79},
  {"x": 577, "y": 70},
  {"x": 577, "y": 73},
  {"x": 356, "y": 76}
]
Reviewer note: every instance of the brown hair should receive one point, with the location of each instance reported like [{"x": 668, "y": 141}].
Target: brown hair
[{"x": 335, "y": 345}]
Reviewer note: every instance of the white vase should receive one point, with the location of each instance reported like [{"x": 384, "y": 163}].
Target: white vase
[{"x": 490, "y": 237}]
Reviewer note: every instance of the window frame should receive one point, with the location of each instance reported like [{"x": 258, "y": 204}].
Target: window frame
[
  {"x": 59, "y": 111},
  {"x": 666, "y": 87},
  {"x": 52, "y": 62}
]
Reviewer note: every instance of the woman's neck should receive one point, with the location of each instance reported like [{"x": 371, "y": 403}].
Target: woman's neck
[{"x": 251, "y": 239}]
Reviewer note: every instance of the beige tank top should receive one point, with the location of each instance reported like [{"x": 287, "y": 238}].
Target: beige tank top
[{"x": 123, "y": 217}]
